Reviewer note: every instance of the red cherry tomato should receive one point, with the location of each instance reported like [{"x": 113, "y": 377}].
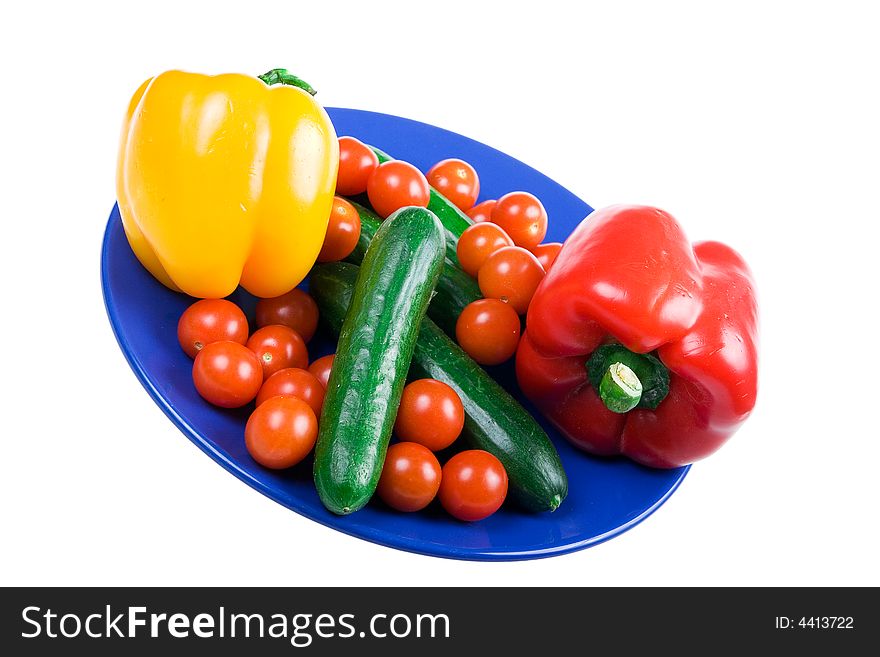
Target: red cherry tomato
[
  {"x": 210, "y": 320},
  {"x": 278, "y": 347},
  {"x": 482, "y": 211},
  {"x": 410, "y": 477},
  {"x": 488, "y": 331},
  {"x": 511, "y": 274},
  {"x": 295, "y": 309},
  {"x": 396, "y": 184},
  {"x": 546, "y": 253},
  {"x": 281, "y": 432},
  {"x": 523, "y": 217},
  {"x": 343, "y": 232},
  {"x": 430, "y": 414},
  {"x": 477, "y": 243},
  {"x": 321, "y": 369},
  {"x": 294, "y": 382},
  {"x": 456, "y": 180},
  {"x": 227, "y": 374},
  {"x": 473, "y": 485},
  {"x": 356, "y": 163}
]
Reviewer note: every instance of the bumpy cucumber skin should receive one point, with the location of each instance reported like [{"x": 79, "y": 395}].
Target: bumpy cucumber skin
[
  {"x": 454, "y": 220},
  {"x": 455, "y": 289},
  {"x": 376, "y": 343},
  {"x": 494, "y": 421}
]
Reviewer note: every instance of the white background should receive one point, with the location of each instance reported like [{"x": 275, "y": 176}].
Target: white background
[{"x": 757, "y": 126}]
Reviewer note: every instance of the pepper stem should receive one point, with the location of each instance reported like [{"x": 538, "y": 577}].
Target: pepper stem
[
  {"x": 620, "y": 388},
  {"x": 626, "y": 380},
  {"x": 282, "y": 76}
]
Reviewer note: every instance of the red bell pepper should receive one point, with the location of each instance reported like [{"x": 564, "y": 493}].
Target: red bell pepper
[{"x": 632, "y": 316}]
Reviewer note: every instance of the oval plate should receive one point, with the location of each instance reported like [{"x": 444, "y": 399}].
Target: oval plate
[{"x": 607, "y": 496}]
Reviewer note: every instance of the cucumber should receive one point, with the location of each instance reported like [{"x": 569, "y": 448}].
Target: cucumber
[
  {"x": 494, "y": 421},
  {"x": 376, "y": 343},
  {"x": 455, "y": 289},
  {"x": 454, "y": 220}
]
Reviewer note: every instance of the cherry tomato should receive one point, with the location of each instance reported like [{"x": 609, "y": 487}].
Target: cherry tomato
[
  {"x": 343, "y": 232},
  {"x": 410, "y": 477},
  {"x": 523, "y": 217},
  {"x": 295, "y": 309},
  {"x": 281, "y": 432},
  {"x": 473, "y": 485},
  {"x": 356, "y": 163},
  {"x": 511, "y": 274},
  {"x": 396, "y": 184},
  {"x": 210, "y": 320},
  {"x": 456, "y": 180},
  {"x": 227, "y": 374},
  {"x": 477, "y": 243},
  {"x": 430, "y": 414},
  {"x": 546, "y": 253},
  {"x": 488, "y": 331},
  {"x": 482, "y": 211},
  {"x": 294, "y": 382},
  {"x": 277, "y": 347},
  {"x": 321, "y": 369}
]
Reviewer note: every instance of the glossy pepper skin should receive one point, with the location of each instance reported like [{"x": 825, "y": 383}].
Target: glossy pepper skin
[
  {"x": 224, "y": 180},
  {"x": 628, "y": 274}
]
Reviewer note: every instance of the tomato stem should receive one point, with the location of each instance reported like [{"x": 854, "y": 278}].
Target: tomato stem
[{"x": 282, "y": 76}]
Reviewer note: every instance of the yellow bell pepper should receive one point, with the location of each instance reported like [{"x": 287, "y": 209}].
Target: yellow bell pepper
[{"x": 224, "y": 180}]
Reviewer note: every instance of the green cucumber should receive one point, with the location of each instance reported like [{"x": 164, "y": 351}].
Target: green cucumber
[
  {"x": 376, "y": 342},
  {"x": 454, "y": 220},
  {"x": 455, "y": 289},
  {"x": 494, "y": 421}
]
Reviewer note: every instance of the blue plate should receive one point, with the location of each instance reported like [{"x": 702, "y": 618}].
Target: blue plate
[{"x": 607, "y": 496}]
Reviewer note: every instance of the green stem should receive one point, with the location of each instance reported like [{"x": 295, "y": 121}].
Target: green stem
[
  {"x": 620, "y": 388},
  {"x": 282, "y": 76},
  {"x": 626, "y": 380}
]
